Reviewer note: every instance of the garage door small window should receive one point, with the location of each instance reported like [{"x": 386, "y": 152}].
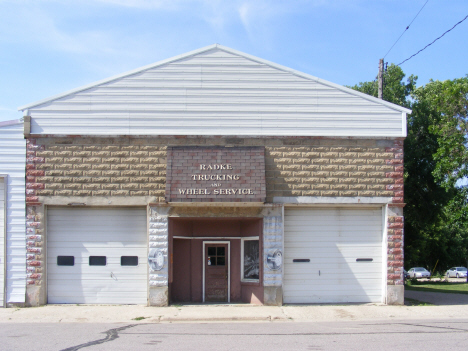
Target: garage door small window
[
  {"x": 65, "y": 260},
  {"x": 129, "y": 260},
  {"x": 97, "y": 260}
]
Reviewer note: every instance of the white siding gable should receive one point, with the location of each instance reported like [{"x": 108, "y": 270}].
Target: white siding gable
[
  {"x": 12, "y": 170},
  {"x": 216, "y": 91}
]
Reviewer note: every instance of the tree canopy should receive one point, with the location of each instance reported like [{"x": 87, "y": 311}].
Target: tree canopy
[{"x": 436, "y": 164}]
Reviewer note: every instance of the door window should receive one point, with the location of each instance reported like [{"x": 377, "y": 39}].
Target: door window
[{"x": 216, "y": 256}]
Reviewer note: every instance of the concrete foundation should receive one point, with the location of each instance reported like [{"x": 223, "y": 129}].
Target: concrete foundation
[
  {"x": 35, "y": 296},
  {"x": 395, "y": 294},
  {"x": 158, "y": 296},
  {"x": 272, "y": 296}
]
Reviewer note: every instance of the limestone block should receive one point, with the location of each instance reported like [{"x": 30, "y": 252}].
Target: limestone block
[
  {"x": 120, "y": 153},
  {"x": 101, "y": 153},
  {"x": 330, "y": 193},
  {"x": 348, "y": 193},
  {"x": 120, "y": 193}
]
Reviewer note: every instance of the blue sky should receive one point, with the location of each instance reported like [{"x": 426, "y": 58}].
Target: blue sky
[{"x": 51, "y": 46}]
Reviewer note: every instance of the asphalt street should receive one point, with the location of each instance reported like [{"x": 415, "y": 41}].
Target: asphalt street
[
  {"x": 384, "y": 335},
  {"x": 440, "y": 325}
]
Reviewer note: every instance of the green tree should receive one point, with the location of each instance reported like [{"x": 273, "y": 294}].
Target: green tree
[
  {"x": 449, "y": 99},
  {"x": 435, "y": 156},
  {"x": 396, "y": 90}
]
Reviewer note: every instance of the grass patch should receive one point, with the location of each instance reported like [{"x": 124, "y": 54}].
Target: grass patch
[
  {"x": 414, "y": 302},
  {"x": 139, "y": 318},
  {"x": 441, "y": 286}
]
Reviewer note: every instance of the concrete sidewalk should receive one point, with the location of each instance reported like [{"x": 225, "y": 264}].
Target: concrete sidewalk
[{"x": 224, "y": 313}]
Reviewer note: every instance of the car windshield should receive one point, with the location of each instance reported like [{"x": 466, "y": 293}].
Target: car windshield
[
  {"x": 420, "y": 270},
  {"x": 461, "y": 269}
]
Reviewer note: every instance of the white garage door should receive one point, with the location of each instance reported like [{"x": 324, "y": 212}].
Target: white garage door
[
  {"x": 97, "y": 256},
  {"x": 333, "y": 255}
]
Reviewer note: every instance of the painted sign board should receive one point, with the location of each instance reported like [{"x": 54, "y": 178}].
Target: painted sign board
[{"x": 215, "y": 174}]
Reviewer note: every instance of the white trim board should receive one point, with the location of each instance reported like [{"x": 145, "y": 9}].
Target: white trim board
[{"x": 293, "y": 200}]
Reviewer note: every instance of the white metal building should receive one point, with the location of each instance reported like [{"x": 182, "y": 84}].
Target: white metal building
[{"x": 12, "y": 213}]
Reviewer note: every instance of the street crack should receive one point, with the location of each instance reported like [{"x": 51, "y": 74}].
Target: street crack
[{"x": 112, "y": 334}]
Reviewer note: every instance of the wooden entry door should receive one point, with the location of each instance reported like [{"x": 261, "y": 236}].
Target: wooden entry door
[{"x": 216, "y": 272}]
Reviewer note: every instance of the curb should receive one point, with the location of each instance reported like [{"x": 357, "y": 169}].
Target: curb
[{"x": 225, "y": 319}]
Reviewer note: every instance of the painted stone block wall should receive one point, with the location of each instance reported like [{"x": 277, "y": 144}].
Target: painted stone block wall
[
  {"x": 302, "y": 166},
  {"x": 158, "y": 244},
  {"x": 395, "y": 251},
  {"x": 395, "y": 254},
  {"x": 96, "y": 167},
  {"x": 273, "y": 233},
  {"x": 331, "y": 168}
]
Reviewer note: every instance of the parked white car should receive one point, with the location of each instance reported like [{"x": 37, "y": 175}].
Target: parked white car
[
  {"x": 456, "y": 272},
  {"x": 419, "y": 272}
]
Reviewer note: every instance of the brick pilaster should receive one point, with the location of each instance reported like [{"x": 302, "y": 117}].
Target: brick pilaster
[
  {"x": 395, "y": 253},
  {"x": 34, "y": 217},
  {"x": 397, "y": 173}
]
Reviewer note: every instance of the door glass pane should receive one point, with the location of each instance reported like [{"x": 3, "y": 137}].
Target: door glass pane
[
  {"x": 212, "y": 261},
  {"x": 220, "y": 251},
  {"x": 251, "y": 259},
  {"x": 220, "y": 261},
  {"x": 211, "y": 251}
]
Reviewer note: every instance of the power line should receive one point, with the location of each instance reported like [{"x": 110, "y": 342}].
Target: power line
[
  {"x": 407, "y": 27},
  {"x": 433, "y": 41}
]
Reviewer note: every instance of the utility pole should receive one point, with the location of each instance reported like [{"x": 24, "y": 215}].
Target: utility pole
[{"x": 380, "y": 77}]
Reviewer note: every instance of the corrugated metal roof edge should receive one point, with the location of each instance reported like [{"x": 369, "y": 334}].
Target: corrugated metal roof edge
[
  {"x": 10, "y": 123},
  {"x": 232, "y": 51}
]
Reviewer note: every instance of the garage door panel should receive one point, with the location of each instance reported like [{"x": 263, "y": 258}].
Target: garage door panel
[
  {"x": 329, "y": 298},
  {"x": 333, "y": 239},
  {"x": 114, "y": 251},
  {"x": 98, "y": 300},
  {"x": 361, "y": 274},
  {"x": 297, "y": 249},
  {"x": 330, "y": 290},
  {"x": 95, "y": 284},
  {"x": 90, "y": 274},
  {"x": 120, "y": 241},
  {"x": 327, "y": 261},
  {"x": 85, "y": 232},
  {"x": 330, "y": 284}
]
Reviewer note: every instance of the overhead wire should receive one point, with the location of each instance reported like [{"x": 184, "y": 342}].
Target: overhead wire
[
  {"x": 407, "y": 27},
  {"x": 433, "y": 41}
]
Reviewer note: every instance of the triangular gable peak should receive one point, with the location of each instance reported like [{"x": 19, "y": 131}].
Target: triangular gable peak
[{"x": 216, "y": 91}]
